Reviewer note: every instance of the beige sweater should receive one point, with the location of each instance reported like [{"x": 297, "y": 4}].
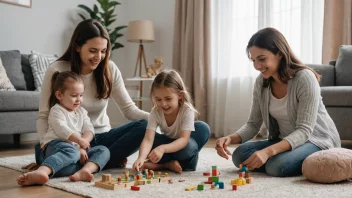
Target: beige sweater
[{"x": 96, "y": 108}]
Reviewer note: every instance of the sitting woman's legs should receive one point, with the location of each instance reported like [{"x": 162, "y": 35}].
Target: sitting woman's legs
[
  {"x": 122, "y": 141},
  {"x": 245, "y": 150},
  {"x": 289, "y": 163}
]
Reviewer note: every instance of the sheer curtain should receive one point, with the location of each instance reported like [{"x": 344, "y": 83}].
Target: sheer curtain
[{"x": 232, "y": 74}]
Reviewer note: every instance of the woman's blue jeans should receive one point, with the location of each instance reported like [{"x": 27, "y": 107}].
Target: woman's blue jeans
[
  {"x": 122, "y": 142},
  {"x": 188, "y": 156},
  {"x": 285, "y": 164},
  {"x": 63, "y": 157}
]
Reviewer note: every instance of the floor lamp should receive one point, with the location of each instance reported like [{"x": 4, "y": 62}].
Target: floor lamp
[{"x": 141, "y": 31}]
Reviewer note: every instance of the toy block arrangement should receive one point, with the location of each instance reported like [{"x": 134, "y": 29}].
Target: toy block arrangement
[
  {"x": 215, "y": 182},
  {"x": 241, "y": 180},
  {"x": 132, "y": 181}
]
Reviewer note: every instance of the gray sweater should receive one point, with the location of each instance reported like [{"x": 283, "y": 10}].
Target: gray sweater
[{"x": 306, "y": 112}]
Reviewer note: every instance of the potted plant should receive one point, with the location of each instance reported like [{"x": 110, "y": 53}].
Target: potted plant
[{"x": 105, "y": 14}]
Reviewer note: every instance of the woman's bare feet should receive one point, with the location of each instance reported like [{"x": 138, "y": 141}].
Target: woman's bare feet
[
  {"x": 82, "y": 175},
  {"x": 172, "y": 165},
  {"x": 32, "y": 178}
]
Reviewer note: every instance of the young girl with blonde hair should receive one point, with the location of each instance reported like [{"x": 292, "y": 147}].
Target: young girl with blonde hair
[{"x": 182, "y": 138}]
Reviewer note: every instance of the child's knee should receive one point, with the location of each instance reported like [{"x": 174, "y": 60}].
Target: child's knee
[
  {"x": 189, "y": 151},
  {"x": 102, "y": 151}
]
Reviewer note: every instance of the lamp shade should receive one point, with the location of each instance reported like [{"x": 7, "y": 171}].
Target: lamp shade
[{"x": 141, "y": 31}]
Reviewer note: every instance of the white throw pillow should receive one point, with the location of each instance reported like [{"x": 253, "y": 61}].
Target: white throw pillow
[
  {"x": 5, "y": 83},
  {"x": 39, "y": 64}
]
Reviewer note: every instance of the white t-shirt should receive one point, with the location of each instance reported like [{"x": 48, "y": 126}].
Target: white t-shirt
[
  {"x": 278, "y": 110},
  {"x": 63, "y": 123},
  {"x": 184, "y": 121}
]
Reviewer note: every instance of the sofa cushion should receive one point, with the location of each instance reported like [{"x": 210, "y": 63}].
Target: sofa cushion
[
  {"x": 344, "y": 66},
  {"x": 12, "y": 63},
  {"x": 337, "y": 96},
  {"x": 27, "y": 71},
  {"x": 5, "y": 83},
  {"x": 19, "y": 101},
  {"x": 39, "y": 64}
]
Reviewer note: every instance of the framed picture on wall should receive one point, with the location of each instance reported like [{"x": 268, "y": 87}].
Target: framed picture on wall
[{"x": 24, "y": 3}]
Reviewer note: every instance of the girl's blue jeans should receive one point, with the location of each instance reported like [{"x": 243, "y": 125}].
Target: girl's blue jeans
[
  {"x": 122, "y": 142},
  {"x": 285, "y": 164},
  {"x": 63, "y": 157},
  {"x": 188, "y": 156}
]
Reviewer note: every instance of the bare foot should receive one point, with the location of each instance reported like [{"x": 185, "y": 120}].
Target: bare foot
[
  {"x": 31, "y": 178},
  {"x": 82, "y": 175},
  {"x": 174, "y": 166}
]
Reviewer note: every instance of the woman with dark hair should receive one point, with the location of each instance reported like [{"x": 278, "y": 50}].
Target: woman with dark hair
[
  {"x": 88, "y": 55},
  {"x": 286, "y": 97}
]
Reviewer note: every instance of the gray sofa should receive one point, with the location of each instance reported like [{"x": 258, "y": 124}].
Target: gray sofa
[
  {"x": 336, "y": 90},
  {"x": 18, "y": 109}
]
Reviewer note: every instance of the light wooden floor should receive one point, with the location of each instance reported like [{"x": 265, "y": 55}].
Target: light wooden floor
[{"x": 10, "y": 188}]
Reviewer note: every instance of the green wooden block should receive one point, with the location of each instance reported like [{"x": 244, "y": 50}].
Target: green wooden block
[
  {"x": 149, "y": 182},
  {"x": 215, "y": 179},
  {"x": 200, "y": 187},
  {"x": 213, "y": 167}
]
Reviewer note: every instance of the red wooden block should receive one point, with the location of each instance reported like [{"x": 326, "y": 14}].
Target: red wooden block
[
  {"x": 240, "y": 174},
  {"x": 234, "y": 187},
  {"x": 214, "y": 173},
  {"x": 208, "y": 182},
  {"x": 135, "y": 188},
  {"x": 206, "y": 174}
]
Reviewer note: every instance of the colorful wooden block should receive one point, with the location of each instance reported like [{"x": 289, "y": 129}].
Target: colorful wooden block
[
  {"x": 206, "y": 174},
  {"x": 221, "y": 185},
  {"x": 234, "y": 187},
  {"x": 191, "y": 188},
  {"x": 135, "y": 188},
  {"x": 200, "y": 187}
]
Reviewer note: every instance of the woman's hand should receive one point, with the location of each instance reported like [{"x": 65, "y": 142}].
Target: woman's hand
[
  {"x": 138, "y": 164},
  {"x": 84, "y": 156},
  {"x": 156, "y": 154},
  {"x": 257, "y": 159},
  {"x": 221, "y": 147}
]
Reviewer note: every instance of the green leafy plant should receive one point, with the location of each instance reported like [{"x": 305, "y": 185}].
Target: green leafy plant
[{"x": 106, "y": 16}]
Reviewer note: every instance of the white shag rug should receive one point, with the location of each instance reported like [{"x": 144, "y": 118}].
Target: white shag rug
[{"x": 262, "y": 186}]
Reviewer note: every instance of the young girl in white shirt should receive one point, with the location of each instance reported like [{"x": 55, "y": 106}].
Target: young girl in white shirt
[
  {"x": 182, "y": 138},
  {"x": 66, "y": 145}
]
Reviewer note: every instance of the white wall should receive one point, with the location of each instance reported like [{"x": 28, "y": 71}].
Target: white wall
[{"x": 48, "y": 26}]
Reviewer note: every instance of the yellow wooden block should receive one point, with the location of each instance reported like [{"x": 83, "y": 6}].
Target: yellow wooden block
[
  {"x": 233, "y": 181},
  {"x": 191, "y": 188}
]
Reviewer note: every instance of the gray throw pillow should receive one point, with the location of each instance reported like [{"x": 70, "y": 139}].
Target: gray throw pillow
[
  {"x": 5, "y": 83},
  {"x": 39, "y": 64},
  {"x": 344, "y": 66},
  {"x": 11, "y": 60}
]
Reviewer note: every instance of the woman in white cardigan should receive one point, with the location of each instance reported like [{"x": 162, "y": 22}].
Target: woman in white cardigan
[{"x": 286, "y": 97}]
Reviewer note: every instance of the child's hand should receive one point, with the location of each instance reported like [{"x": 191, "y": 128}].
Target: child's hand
[
  {"x": 138, "y": 164},
  {"x": 156, "y": 154},
  {"x": 84, "y": 156},
  {"x": 84, "y": 143}
]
